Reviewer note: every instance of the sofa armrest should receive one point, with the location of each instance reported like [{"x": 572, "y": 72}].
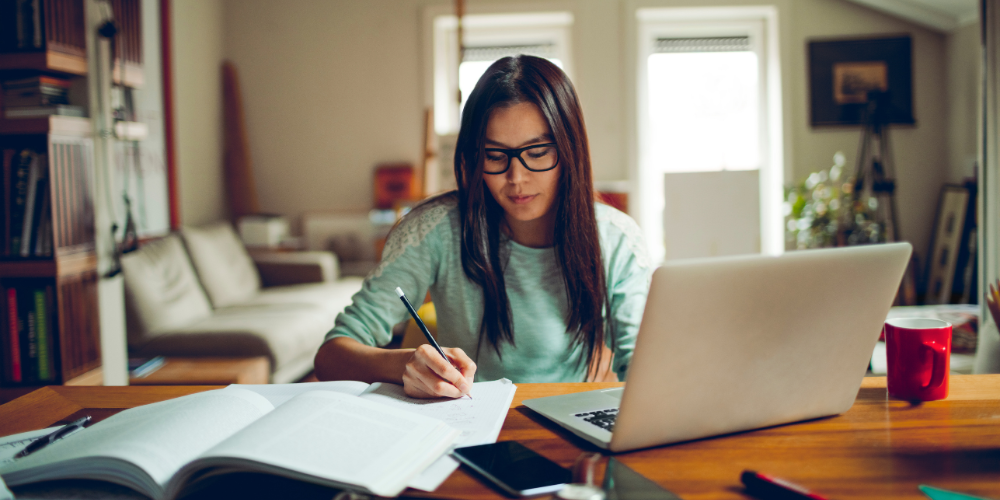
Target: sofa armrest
[{"x": 291, "y": 268}]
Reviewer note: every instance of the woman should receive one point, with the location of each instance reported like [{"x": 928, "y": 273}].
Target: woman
[{"x": 529, "y": 276}]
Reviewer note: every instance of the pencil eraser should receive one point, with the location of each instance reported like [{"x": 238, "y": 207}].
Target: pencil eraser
[{"x": 399, "y": 291}]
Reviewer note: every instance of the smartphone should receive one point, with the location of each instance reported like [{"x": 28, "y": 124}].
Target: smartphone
[
  {"x": 623, "y": 483},
  {"x": 514, "y": 468}
]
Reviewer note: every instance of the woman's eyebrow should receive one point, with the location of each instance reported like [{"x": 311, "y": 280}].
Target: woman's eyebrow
[{"x": 541, "y": 138}]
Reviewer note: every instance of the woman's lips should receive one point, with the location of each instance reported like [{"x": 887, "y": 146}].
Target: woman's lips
[{"x": 521, "y": 200}]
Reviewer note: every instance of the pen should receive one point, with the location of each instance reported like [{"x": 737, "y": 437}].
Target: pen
[
  {"x": 423, "y": 327},
  {"x": 68, "y": 429},
  {"x": 770, "y": 487}
]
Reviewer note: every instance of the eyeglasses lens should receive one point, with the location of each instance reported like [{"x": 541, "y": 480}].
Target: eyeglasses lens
[{"x": 538, "y": 158}]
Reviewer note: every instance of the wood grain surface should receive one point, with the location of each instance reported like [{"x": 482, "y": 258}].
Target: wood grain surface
[{"x": 881, "y": 448}]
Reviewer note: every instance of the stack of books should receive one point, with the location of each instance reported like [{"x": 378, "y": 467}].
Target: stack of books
[
  {"x": 38, "y": 96},
  {"x": 27, "y": 339},
  {"x": 28, "y": 226}
]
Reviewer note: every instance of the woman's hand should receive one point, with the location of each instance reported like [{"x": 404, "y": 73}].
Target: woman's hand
[{"x": 428, "y": 375}]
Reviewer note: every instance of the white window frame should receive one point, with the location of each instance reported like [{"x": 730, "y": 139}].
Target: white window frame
[
  {"x": 498, "y": 29},
  {"x": 761, "y": 25}
]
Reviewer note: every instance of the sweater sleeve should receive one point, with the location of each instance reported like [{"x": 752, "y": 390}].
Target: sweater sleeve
[
  {"x": 628, "y": 284},
  {"x": 410, "y": 261}
]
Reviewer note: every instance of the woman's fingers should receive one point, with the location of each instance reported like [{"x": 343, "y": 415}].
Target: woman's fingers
[
  {"x": 429, "y": 375},
  {"x": 462, "y": 362}
]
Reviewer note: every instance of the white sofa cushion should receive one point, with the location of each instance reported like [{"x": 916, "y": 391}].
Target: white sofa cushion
[
  {"x": 226, "y": 270},
  {"x": 283, "y": 332},
  {"x": 161, "y": 289},
  {"x": 331, "y": 297}
]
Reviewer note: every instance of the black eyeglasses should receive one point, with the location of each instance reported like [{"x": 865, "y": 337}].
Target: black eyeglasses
[{"x": 539, "y": 158}]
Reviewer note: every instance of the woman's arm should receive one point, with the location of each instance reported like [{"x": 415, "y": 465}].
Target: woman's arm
[{"x": 422, "y": 371}]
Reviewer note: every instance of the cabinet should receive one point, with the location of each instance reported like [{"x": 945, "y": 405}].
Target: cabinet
[{"x": 49, "y": 322}]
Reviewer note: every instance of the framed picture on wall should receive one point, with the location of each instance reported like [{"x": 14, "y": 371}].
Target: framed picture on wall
[
  {"x": 947, "y": 242},
  {"x": 843, "y": 72}
]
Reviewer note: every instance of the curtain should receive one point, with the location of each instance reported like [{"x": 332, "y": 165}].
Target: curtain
[{"x": 988, "y": 351}]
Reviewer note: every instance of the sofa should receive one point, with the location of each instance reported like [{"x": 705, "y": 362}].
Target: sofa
[{"x": 198, "y": 292}]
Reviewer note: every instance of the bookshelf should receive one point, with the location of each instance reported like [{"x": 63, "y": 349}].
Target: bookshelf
[{"x": 48, "y": 287}]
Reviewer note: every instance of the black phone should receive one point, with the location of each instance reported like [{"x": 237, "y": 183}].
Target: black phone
[
  {"x": 623, "y": 483},
  {"x": 514, "y": 468}
]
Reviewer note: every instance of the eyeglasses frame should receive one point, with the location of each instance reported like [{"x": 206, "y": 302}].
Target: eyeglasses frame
[{"x": 516, "y": 153}]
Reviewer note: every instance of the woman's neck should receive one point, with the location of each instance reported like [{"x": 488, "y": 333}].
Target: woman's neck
[{"x": 538, "y": 233}]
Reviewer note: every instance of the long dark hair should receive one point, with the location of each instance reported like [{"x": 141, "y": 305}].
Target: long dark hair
[{"x": 510, "y": 81}]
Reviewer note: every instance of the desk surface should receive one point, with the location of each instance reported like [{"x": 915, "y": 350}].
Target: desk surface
[{"x": 880, "y": 448}]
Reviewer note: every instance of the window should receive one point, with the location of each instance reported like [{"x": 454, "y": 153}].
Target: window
[
  {"x": 489, "y": 37},
  {"x": 704, "y": 105},
  {"x": 709, "y": 100}
]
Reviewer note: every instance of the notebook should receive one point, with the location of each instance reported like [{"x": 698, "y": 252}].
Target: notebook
[
  {"x": 478, "y": 418},
  {"x": 341, "y": 437}
]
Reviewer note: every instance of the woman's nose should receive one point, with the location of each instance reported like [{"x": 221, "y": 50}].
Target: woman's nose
[{"x": 516, "y": 173}]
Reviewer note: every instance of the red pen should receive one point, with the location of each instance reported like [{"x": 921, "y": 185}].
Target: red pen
[{"x": 773, "y": 488}]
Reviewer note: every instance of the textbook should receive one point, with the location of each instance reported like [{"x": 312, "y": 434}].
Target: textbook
[{"x": 165, "y": 450}]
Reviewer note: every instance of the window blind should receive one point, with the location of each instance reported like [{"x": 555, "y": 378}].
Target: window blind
[
  {"x": 492, "y": 53},
  {"x": 714, "y": 44}
]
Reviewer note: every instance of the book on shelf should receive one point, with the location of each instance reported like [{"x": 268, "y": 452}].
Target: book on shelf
[
  {"x": 13, "y": 337},
  {"x": 20, "y": 169},
  {"x": 33, "y": 99},
  {"x": 32, "y": 204},
  {"x": 36, "y": 82},
  {"x": 34, "y": 92},
  {"x": 29, "y": 24},
  {"x": 40, "y": 111},
  {"x": 27, "y": 201},
  {"x": 29, "y": 332},
  {"x": 335, "y": 438}
]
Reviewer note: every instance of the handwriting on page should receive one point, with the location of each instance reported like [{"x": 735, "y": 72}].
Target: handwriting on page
[
  {"x": 10, "y": 445},
  {"x": 476, "y": 417}
]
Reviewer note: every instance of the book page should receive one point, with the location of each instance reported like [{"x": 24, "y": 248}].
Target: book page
[
  {"x": 334, "y": 438},
  {"x": 158, "y": 438},
  {"x": 13, "y": 444},
  {"x": 279, "y": 394},
  {"x": 479, "y": 418}
]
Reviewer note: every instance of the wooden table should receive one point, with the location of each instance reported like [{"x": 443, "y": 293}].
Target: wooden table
[
  {"x": 208, "y": 371},
  {"x": 881, "y": 448}
]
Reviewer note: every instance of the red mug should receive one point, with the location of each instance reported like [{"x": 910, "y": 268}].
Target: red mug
[{"x": 918, "y": 354}]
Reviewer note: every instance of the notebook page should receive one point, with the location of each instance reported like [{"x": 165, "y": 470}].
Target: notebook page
[
  {"x": 11, "y": 445},
  {"x": 279, "y": 394},
  {"x": 159, "y": 438},
  {"x": 338, "y": 438},
  {"x": 479, "y": 418}
]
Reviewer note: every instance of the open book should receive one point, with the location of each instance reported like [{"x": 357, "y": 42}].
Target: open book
[
  {"x": 337, "y": 437},
  {"x": 479, "y": 418}
]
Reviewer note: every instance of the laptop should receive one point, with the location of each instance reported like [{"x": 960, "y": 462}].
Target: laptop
[{"x": 738, "y": 343}]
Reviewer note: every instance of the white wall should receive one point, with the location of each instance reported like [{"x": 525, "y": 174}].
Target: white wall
[
  {"x": 964, "y": 59},
  {"x": 333, "y": 88},
  {"x": 197, "y": 40}
]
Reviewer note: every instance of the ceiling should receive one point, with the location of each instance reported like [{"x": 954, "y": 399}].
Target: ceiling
[{"x": 939, "y": 15}]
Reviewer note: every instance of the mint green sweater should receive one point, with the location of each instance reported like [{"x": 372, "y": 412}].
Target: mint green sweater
[{"x": 423, "y": 254}]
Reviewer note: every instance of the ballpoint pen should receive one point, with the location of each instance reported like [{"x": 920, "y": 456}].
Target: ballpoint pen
[
  {"x": 68, "y": 429},
  {"x": 423, "y": 327},
  {"x": 768, "y": 487}
]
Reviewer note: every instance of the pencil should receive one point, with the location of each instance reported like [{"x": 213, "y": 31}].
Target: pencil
[{"x": 423, "y": 327}]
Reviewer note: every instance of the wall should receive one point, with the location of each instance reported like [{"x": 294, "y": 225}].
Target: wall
[
  {"x": 964, "y": 59},
  {"x": 197, "y": 40},
  {"x": 333, "y": 88},
  {"x": 920, "y": 151}
]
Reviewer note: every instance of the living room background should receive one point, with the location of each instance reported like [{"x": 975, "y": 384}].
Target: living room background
[{"x": 333, "y": 88}]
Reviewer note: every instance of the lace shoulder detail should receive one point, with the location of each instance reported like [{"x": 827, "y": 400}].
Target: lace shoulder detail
[
  {"x": 411, "y": 230},
  {"x": 630, "y": 231}
]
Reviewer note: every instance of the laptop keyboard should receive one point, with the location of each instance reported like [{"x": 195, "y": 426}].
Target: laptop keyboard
[{"x": 605, "y": 419}]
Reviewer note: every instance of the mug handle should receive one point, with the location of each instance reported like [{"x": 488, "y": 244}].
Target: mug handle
[{"x": 937, "y": 375}]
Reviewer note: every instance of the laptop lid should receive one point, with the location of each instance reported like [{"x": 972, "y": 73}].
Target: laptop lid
[{"x": 737, "y": 343}]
